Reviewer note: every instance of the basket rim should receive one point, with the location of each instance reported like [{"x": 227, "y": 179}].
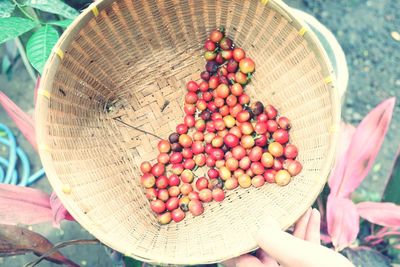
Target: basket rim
[{"x": 42, "y": 110}]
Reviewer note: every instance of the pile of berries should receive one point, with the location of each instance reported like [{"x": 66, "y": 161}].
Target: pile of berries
[{"x": 242, "y": 144}]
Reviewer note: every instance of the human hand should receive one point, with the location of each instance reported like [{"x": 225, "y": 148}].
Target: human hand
[{"x": 302, "y": 249}]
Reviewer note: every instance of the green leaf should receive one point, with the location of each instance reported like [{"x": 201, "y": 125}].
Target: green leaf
[
  {"x": 6, "y": 64},
  {"x": 61, "y": 23},
  {"x": 53, "y": 6},
  {"x": 392, "y": 188},
  {"x": 14, "y": 27},
  {"x": 130, "y": 262},
  {"x": 6, "y": 8},
  {"x": 39, "y": 46},
  {"x": 366, "y": 257}
]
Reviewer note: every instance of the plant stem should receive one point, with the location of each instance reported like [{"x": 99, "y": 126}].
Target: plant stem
[
  {"x": 24, "y": 12},
  {"x": 61, "y": 245},
  {"x": 25, "y": 60},
  {"x": 136, "y": 128}
]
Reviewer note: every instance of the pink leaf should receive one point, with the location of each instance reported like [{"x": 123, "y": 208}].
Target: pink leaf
[
  {"x": 346, "y": 134},
  {"x": 343, "y": 221},
  {"x": 386, "y": 214},
  {"x": 23, "y": 205},
  {"x": 59, "y": 211},
  {"x": 365, "y": 145},
  {"x": 326, "y": 239},
  {"x": 23, "y": 121}
]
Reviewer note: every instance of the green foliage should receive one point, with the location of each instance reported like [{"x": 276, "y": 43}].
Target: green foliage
[
  {"x": 53, "y": 6},
  {"x": 13, "y": 27},
  {"x": 6, "y": 8},
  {"x": 366, "y": 257},
  {"x": 61, "y": 23},
  {"x": 392, "y": 189},
  {"x": 39, "y": 46},
  {"x": 130, "y": 262}
]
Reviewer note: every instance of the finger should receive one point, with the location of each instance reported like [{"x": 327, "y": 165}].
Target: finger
[
  {"x": 301, "y": 225},
  {"x": 313, "y": 228},
  {"x": 242, "y": 261},
  {"x": 292, "y": 251},
  {"x": 266, "y": 259}
]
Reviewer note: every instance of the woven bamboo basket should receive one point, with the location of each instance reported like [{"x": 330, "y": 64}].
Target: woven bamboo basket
[{"x": 129, "y": 60}]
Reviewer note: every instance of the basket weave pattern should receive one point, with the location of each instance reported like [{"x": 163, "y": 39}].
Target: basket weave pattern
[{"x": 130, "y": 60}]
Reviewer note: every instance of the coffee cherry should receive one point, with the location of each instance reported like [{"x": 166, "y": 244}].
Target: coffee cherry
[
  {"x": 201, "y": 183},
  {"x": 186, "y": 189},
  {"x": 246, "y": 65},
  {"x": 200, "y": 160},
  {"x": 284, "y": 123},
  {"x": 158, "y": 169},
  {"x": 196, "y": 207},
  {"x": 151, "y": 193},
  {"x": 185, "y": 140},
  {"x": 164, "y": 218},
  {"x": 231, "y": 183},
  {"x": 163, "y": 194},
  {"x": 275, "y": 149},
  {"x": 231, "y": 140},
  {"x": 241, "y": 78},
  {"x": 226, "y": 54},
  {"x": 244, "y": 181},
  {"x": 192, "y": 86},
  {"x": 210, "y": 45},
  {"x": 294, "y": 167},
  {"x": 247, "y": 141},
  {"x": 255, "y": 153},
  {"x": 226, "y": 43},
  {"x": 181, "y": 128},
  {"x": 238, "y": 54},
  {"x": 205, "y": 75},
  {"x": 272, "y": 126},
  {"x": 191, "y": 98},
  {"x": 218, "y": 194},
  {"x": 174, "y": 191},
  {"x": 245, "y": 163},
  {"x": 189, "y": 109},
  {"x": 224, "y": 173},
  {"x": 229, "y": 121},
  {"x": 271, "y": 112},
  {"x": 290, "y": 151},
  {"x": 176, "y": 157},
  {"x": 282, "y": 177},
  {"x": 269, "y": 176},
  {"x": 177, "y": 215},
  {"x": 232, "y": 164},
  {"x": 193, "y": 195},
  {"x": 243, "y": 116},
  {"x": 174, "y": 180},
  {"x": 281, "y": 136},
  {"x": 262, "y": 140},
  {"x": 267, "y": 160},
  {"x": 187, "y": 176},
  {"x": 172, "y": 203},
  {"x": 205, "y": 195},
  {"x": 257, "y": 168},
  {"x": 261, "y": 127},
  {"x": 145, "y": 167},
  {"x": 258, "y": 181},
  {"x": 163, "y": 158},
  {"x": 211, "y": 67},
  {"x": 184, "y": 203},
  {"x": 232, "y": 66},
  {"x": 257, "y": 108},
  {"x": 157, "y": 206},
  {"x": 162, "y": 182}
]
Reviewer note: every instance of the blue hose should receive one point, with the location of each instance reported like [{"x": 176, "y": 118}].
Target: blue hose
[{"x": 9, "y": 173}]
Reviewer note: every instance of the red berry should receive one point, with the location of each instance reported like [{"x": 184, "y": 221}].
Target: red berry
[
  {"x": 231, "y": 101},
  {"x": 247, "y": 65},
  {"x": 272, "y": 126},
  {"x": 192, "y": 86},
  {"x": 191, "y": 98},
  {"x": 269, "y": 176},
  {"x": 177, "y": 215},
  {"x": 163, "y": 194},
  {"x": 201, "y": 183},
  {"x": 226, "y": 54},
  {"x": 157, "y": 206},
  {"x": 145, "y": 167},
  {"x": 290, "y": 151},
  {"x": 193, "y": 195},
  {"x": 243, "y": 116},
  {"x": 172, "y": 203},
  {"x": 271, "y": 112},
  {"x": 207, "y": 96},
  {"x": 176, "y": 157},
  {"x": 262, "y": 140},
  {"x": 278, "y": 164},
  {"x": 212, "y": 173},
  {"x": 255, "y": 153},
  {"x": 216, "y": 36},
  {"x": 238, "y": 152},
  {"x": 231, "y": 140},
  {"x": 294, "y": 167},
  {"x": 262, "y": 117},
  {"x": 187, "y": 153},
  {"x": 158, "y": 169},
  {"x": 174, "y": 180},
  {"x": 226, "y": 43},
  {"x": 244, "y": 99},
  {"x": 231, "y": 183},
  {"x": 186, "y": 189},
  {"x": 189, "y": 164},
  {"x": 201, "y": 104},
  {"x": 222, "y": 91},
  {"x": 187, "y": 176},
  {"x": 245, "y": 163},
  {"x": 282, "y": 177},
  {"x": 257, "y": 168},
  {"x": 203, "y": 86},
  {"x": 163, "y": 158},
  {"x": 258, "y": 181},
  {"x": 185, "y": 140},
  {"x": 174, "y": 191},
  {"x": 247, "y": 141},
  {"x": 205, "y": 195},
  {"x": 257, "y": 108},
  {"x": 284, "y": 123},
  {"x": 189, "y": 120},
  {"x": 218, "y": 194},
  {"x": 151, "y": 193},
  {"x": 238, "y": 54},
  {"x": 189, "y": 109},
  {"x": 200, "y": 160},
  {"x": 181, "y": 128},
  {"x": 219, "y": 59},
  {"x": 275, "y": 149},
  {"x": 232, "y": 66},
  {"x": 236, "y": 89},
  {"x": 267, "y": 160},
  {"x": 217, "y": 153},
  {"x": 196, "y": 207},
  {"x": 162, "y": 182},
  {"x": 281, "y": 136},
  {"x": 210, "y": 45},
  {"x": 261, "y": 127},
  {"x": 164, "y": 218},
  {"x": 205, "y": 75},
  {"x": 241, "y": 78},
  {"x": 213, "y": 82}
]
